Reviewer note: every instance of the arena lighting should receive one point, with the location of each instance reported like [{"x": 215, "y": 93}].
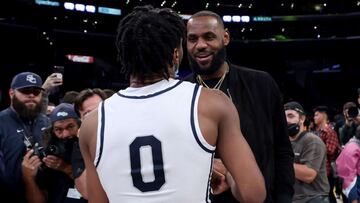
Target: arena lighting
[
  {"x": 47, "y": 3},
  {"x": 90, "y": 8},
  {"x": 69, "y": 6},
  {"x": 185, "y": 16},
  {"x": 80, "y": 7},
  {"x": 245, "y": 19},
  {"x": 80, "y": 58},
  {"x": 227, "y": 19},
  {"x": 236, "y": 19},
  {"x": 109, "y": 11},
  {"x": 262, "y": 19}
]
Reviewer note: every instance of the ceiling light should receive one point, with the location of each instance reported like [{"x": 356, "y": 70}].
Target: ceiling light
[
  {"x": 227, "y": 18},
  {"x": 236, "y": 19}
]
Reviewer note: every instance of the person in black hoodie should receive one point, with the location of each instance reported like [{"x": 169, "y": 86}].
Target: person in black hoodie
[{"x": 257, "y": 99}]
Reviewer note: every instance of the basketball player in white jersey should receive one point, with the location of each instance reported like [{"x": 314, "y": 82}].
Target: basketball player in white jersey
[{"x": 155, "y": 141}]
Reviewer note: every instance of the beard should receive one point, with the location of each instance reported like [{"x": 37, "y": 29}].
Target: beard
[
  {"x": 216, "y": 63},
  {"x": 24, "y": 111}
]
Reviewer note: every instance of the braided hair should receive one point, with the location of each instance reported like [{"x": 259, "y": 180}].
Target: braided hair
[{"x": 146, "y": 40}]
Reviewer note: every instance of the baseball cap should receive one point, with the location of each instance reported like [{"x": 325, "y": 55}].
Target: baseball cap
[
  {"x": 63, "y": 111},
  {"x": 26, "y": 79},
  {"x": 294, "y": 106}
]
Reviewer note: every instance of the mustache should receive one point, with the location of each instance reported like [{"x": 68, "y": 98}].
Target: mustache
[{"x": 216, "y": 63}]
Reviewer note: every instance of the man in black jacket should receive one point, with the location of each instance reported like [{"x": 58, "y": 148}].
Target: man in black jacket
[{"x": 256, "y": 97}]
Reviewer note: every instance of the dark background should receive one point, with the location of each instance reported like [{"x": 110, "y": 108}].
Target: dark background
[{"x": 309, "y": 47}]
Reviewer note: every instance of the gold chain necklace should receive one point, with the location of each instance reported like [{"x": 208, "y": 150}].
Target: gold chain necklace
[{"x": 218, "y": 84}]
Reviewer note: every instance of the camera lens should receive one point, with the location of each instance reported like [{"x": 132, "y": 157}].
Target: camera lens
[{"x": 353, "y": 112}]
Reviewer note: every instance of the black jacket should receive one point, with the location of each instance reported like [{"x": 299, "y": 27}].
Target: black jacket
[
  {"x": 12, "y": 133},
  {"x": 263, "y": 124}
]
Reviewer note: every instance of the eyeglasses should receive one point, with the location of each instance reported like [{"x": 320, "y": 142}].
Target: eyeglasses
[{"x": 28, "y": 91}]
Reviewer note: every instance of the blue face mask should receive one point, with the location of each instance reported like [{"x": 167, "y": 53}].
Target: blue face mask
[{"x": 293, "y": 129}]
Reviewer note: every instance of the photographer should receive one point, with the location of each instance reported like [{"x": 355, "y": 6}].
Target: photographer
[
  {"x": 347, "y": 131},
  {"x": 51, "y": 179},
  {"x": 21, "y": 124}
]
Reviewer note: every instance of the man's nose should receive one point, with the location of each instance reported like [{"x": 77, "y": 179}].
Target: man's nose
[
  {"x": 65, "y": 133},
  {"x": 201, "y": 44}
]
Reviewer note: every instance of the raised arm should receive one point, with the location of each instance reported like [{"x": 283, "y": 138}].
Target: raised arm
[{"x": 96, "y": 193}]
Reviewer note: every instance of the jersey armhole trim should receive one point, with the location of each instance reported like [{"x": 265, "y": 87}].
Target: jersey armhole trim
[
  {"x": 101, "y": 132},
  {"x": 192, "y": 120}
]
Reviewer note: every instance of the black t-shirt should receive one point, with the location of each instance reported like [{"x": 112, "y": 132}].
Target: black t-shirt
[{"x": 60, "y": 187}]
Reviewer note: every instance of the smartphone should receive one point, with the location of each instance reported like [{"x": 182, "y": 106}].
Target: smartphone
[{"x": 59, "y": 70}]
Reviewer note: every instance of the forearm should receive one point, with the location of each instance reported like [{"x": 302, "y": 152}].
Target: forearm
[
  {"x": 32, "y": 192},
  {"x": 246, "y": 194},
  {"x": 304, "y": 173}
]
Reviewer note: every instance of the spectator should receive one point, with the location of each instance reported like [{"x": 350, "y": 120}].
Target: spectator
[
  {"x": 311, "y": 184},
  {"x": 21, "y": 126},
  {"x": 257, "y": 99}
]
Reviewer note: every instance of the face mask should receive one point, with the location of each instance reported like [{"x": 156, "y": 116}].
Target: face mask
[{"x": 293, "y": 129}]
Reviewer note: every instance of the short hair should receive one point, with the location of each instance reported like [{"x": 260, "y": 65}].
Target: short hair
[
  {"x": 109, "y": 92},
  {"x": 347, "y": 105},
  {"x": 209, "y": 13},
  {"x": 69, "y": 97},
  {"x": 84, "y": 95},
  {"x": 323, "y": 109},
  {"x": 146, "y": 40}
]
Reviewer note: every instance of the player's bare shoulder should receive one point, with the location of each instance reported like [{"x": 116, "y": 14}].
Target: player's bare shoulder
[
  {"x": 214, "y": 101},
  {"x": 215, "y": 96}
]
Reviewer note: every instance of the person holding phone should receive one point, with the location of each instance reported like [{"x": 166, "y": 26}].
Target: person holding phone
[{"x": 54, "y": 80}]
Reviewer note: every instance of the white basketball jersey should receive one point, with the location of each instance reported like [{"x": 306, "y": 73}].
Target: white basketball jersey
[{"x": 150, "y": 147}]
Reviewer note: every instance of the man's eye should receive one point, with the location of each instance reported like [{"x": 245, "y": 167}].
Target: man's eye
[{"x": 191, "y": 39}]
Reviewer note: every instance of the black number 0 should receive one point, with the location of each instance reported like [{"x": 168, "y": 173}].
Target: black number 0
[{"x": 159, "y": 174}]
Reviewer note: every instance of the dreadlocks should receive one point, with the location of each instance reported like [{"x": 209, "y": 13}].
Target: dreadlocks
[{"x": 146, "y": 41}]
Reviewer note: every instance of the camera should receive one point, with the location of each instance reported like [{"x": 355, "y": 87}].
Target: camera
[
  {"x": 56, "y": 149},
  {"x": 353, "y": 112},
  {"x": 39, "y": 151}
]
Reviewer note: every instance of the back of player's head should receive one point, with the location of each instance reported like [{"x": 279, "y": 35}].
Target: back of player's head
[{"x": 146, "y": 41}]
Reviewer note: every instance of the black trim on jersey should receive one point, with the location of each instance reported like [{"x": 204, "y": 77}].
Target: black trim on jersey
[
  {"x": 192, "y": 119},
  {"x": 101, "y": 132},
  {"x": 150, "y": 95},
  {"x": 208, "y": 188}
]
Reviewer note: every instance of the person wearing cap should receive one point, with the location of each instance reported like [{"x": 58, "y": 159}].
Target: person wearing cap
[
  {"x": 311, "y": 184},
  {"x": 21, "y": 125},
  {"x": 331, "y": 140},
  {"x": 55, "y": 182}
]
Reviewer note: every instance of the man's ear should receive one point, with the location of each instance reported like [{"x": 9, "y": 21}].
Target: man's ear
[
  {"x": 176, "y": 56},
  {"x": 302, "y": 118},
  {"x": 11, "y": 93},
  {"x": 226, "y": 37}
]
